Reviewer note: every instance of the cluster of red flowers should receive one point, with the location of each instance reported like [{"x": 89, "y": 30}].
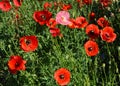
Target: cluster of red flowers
[
  {"x": 6, "y": 6},
  {"x": 44, "y": 17},
  {"x": 106, "y": 33},
  {"x": 104, "y": 3},
  {"x": 28, "y": 44}
]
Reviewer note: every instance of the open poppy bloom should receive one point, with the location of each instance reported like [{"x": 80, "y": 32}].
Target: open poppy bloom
[
  {"x": 91, "y": 48},
  {"x": 5, "y": 6},
  {"x": 62, "y": 76},
  {"x": 42, "y": 17},
  {"x": 92, "y": 31},
  {"x": 17, "y": 3},
  {"x": 28, "y": 43},
  {"x": 102, "y": 22},
  {"x": 16, "y": 63},
  {"x": 107, "y": 34},
  {"x": 51, "y": 23},
  {"x": 62, "y": 17},
  {"x": 55, "y": 32},
  {"x": 81, "y": 22}
]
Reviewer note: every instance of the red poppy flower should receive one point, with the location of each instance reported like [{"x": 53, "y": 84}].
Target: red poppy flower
[
  {"x": 17, "y": 3},
  {"x": 55, "y": 32},
  {"x": 81, "y": 22},
  {"x": 66, "y": 7},
  {"x": 51, "y": 23},
  {"x": 87, "y": 2},
  {"x": 42, "y": 17},
  {"x": 108, "y": 35},
  {"x": 72, "y": 25},
  {"x": 28, "y": 43},
  {"x": 62, "y": 76},
  {"x": 102, "y": 22},
  {"x": 16, "y": 63},
  {"x": 47, "y": 5},
  {"x": 92, "y": 31},
  {"x": 105, "y": 3},
  {"x": 91, "y": 48},
  {"x": 5, "y": 6}
]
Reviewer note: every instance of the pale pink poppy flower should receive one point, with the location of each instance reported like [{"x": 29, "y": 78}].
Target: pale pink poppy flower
[{"x": 63, "y": 17}]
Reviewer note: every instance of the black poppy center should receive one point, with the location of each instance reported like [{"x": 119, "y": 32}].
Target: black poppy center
[
  {"x": 62, "y": 76},
  {"x": 17, "y": 64},
  {"x": 107, "y": 35},
  {"x": 28, "y": 42},
  {"x": 4, "y": 5},
  {"x": 90, "y": 48},
  {"x": 43, "y": 17},
  {"x": 91, "y": 32}
]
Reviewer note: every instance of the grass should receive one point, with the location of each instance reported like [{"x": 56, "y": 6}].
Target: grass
[{"x": 54, "y": 53}]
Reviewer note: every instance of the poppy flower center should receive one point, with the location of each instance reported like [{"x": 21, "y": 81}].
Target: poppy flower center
[
  {"x": 90, "y": 48},
  {"x": 17, "y": 64},
  {"x": 63, "y": 18},
  {"x": 27, "y": 42},
  {"x": 107, "y": 35},
  {"x": 4, "y": 5},
  {"x": 91, "y": 32},
  {"x": 43, "y": 17},
  {"x": 62, "y": 76}
]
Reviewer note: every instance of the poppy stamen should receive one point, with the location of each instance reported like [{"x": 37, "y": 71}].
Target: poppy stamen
[
  {"x": 90, "y": 48},
  {"x": 17, "y": 64},
  {"x": 62, "y": 76},
  {"x": 107, "y": 35},
  {"x": 43, "y": 17},
  {"x": 27, "y": 42},
  {"x": 91, "y": 32}
]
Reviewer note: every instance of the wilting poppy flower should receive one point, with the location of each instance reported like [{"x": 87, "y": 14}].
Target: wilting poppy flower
[
  {"x": 62, "y": 17},
  {"x": 87, "y": 2},
  {"x": 91, "y": 48},
  {"x": 102, "y": 22},
  {"x": 66, "y": 7},
  {"x": 42, "y": 17},
  {"x": 17, "y": 3},
  {"x": 62, "y": 76},
  {"x": 92, "y": 31},
  {"x": 16, "y": 63},
  {"x": 5, "y": 6},
  {"x": 47, "y": 5},
  {"x": 107, "y": 34},
  {"x": 105, "y": 3},
  {"x": 81, "y": 22},
  {"x": 51, "y": 23},
  {"x": 55, "y": 32},
  {"x": 28, "y": 43}
]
